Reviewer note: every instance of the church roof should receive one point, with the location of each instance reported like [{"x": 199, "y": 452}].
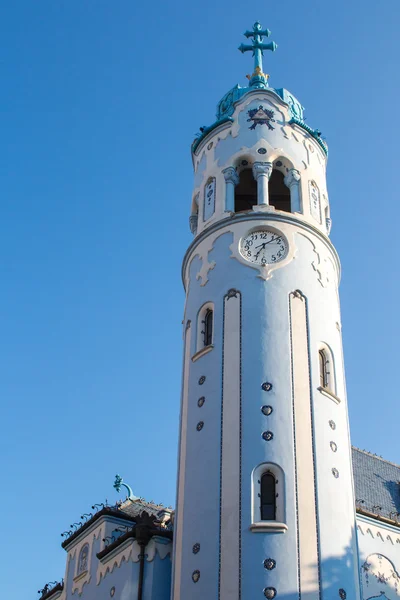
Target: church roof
[{"x": 377, "y": 485}]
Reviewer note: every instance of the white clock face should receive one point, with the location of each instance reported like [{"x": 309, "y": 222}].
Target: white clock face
[{"x": 264, "y": 247}]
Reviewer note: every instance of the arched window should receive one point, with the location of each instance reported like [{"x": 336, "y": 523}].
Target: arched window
[
  {"x": 209, "y": 198},
  {"x": 208, "y": 327},
  {"x": 205, "y": 329},
  {"x": 268, "y": 497},
  {"x": 83, "y": 559},
  {"x": 245, "y": 191},
  {"x": 323, "y": 369},
  {"x": 278, "y": 192},
  {"x": 326, "y": 369}
]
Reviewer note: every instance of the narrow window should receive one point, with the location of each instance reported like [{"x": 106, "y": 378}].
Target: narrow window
[
  {"x": 324, "y": 372},
  {"x": 83, "y": 559},
  {"x": 278, "y": 192},
  {"x": 268, "y": 497},
  {"x": 208, "y": 327},
  {"x": 245, "y": 191}
]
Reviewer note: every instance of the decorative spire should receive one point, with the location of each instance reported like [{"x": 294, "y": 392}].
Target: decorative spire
[
  {"x": 119, "y": 482},
  {"x": 258, "y": 78}
]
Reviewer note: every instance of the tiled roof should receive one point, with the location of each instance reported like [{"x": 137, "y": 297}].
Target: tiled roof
[{"x": 377, "y": 484}]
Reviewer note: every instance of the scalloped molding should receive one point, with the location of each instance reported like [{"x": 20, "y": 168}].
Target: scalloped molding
[{"x": 130, "y": 551}]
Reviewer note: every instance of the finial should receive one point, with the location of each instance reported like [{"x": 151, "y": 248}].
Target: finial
[
  {"x": 119, "y": 482},
  {"x": 258, "y": 78}
]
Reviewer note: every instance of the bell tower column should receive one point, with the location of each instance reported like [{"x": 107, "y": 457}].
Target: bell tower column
[{"x": 265, "y": 501}]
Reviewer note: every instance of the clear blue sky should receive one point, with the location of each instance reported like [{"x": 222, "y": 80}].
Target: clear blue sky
[{"x": 100, "y": 103}]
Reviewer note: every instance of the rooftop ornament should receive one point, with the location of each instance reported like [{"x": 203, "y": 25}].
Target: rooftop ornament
[
  {"x": 119, "y": 482},
  {"x": 258, "y": 79}
]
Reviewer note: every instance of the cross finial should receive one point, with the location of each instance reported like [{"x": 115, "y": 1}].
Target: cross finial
[{"x": 258, "y": 79}]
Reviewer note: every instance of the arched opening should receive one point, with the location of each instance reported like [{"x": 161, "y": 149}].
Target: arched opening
[
  {"x": 245, "y": 191},
  {"x": 208, "y": 327},
  {"x": 83, "y": 559},
  {"x": 205, "y": 327},
  {"x": 278, "y": 192},
  {"x": 326, "y": 369},
  {"x": 323, "y": 369},
  {"x": 268, "y": 497}
]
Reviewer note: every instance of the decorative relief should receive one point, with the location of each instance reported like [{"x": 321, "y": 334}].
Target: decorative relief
[
  {"x": 315, "y": 201},
  {"x": 209, "y": 198},
  {"x": 379, "y": 576},
  {"x": 261, "y": 116},
  {"x": 130, "y": 551},
  {"x": 266, "y": 386},
  {"x": 333, "y": 447},
  {"x": 266, "y": 410},
  {"x": 232, "y": 293},
  {"x": 270, "y": 592},
  {"x": 269, "y": 564},
  {"x": 323, "y": 266},
  {"x": 200, "y": 425},
  {"x": 202, "y": 379},
  {"x": 201, "y": 401},
  {"x": 335, "y": 473},
  {"x": 196, "y": 576},
  {"x": 196, "y": 548},
  {"x": 262, "y": 151},
  {"x": 332, "y": 424},
  {"x": 267, "y": 436}
]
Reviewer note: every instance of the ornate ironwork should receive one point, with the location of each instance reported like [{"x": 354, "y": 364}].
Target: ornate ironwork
[{"x": 119, "y": 482}]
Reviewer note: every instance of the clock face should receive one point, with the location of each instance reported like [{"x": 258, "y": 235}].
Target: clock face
[{"x": 264, "y": 247}]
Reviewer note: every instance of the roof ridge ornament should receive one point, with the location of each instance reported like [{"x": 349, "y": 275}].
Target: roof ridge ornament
[
  {"x": 258, "y": 79},
  {"x": 119, "y": 482}
]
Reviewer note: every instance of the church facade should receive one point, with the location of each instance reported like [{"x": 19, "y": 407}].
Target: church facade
[{"x": 272, "y": 500}]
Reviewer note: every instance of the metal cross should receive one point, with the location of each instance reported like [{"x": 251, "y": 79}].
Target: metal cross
[{"x": 257, "y": 47}]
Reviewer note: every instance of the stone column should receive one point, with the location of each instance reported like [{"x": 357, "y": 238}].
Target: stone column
[
  {"x": 231, "y": 179},
  {"x": 262, "y": 172},
  {"x": 292, "y": 180}
]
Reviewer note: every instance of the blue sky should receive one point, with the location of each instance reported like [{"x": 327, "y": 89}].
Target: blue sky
[{"x": 100, "y": 103}]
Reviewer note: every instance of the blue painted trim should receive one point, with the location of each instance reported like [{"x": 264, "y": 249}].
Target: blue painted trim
[
  {"x": 315, "y": 133},
  {"x": 207, "y": 130}
]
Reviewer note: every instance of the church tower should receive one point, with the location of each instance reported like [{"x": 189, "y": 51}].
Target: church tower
[{"x": 265, "y": 504}]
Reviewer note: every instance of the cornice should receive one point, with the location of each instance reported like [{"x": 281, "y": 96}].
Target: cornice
[
  {"x": 92, "y": 524},
  {"x": 254, "y": 216}
]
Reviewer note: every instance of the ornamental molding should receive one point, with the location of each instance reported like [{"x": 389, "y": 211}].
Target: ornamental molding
[
  {"x": 229, "y": 224},
  {"x": 385, "y": 534},
  {"x": 323, "y": 266},
  {"x": 84, "y": 578},
  {"x": 130, "y": 551},
  {"x": 206, "y": 266}
]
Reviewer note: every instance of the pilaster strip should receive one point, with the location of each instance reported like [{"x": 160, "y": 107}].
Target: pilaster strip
[
  {"x": 178, "y": 549},
  {"x": 307, "y": 528},
  {"x": 230, "y": 499}
]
